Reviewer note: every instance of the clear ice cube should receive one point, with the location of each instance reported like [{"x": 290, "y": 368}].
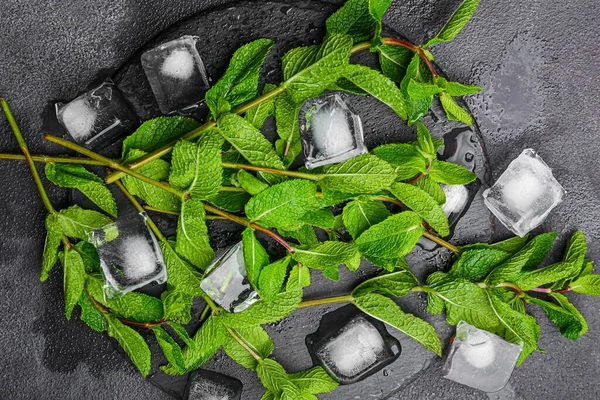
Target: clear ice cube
[
  {"x": 208, "y": 385},
  {"x": 457, "y": 197},
  {"x": 525, "y": 194},
  {"x": 351, "y": 346},
  {"x": 98, "y": 117},
  {"x": 225, "y": 281},
  {"x": 330, "y": 131},
  {"x": 176, "y": 74},
  {"x": 480, "y": 359},
  {"x": 130, "y": 256}
]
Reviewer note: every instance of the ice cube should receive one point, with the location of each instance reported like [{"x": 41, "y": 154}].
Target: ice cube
[
  {"x": 208, "y": 385},
  {"x": 330, "y": 131},
  {"x": 457, "y": 197},
  {"x": 480, "y": 359},
  {"x": 351, "y": 346},
  {"x": 225, "y": 281},
  {"x": 525, "y": 193},
  {"x": 130, "y": 256},
  {"x": 98, "y": 117},
  {"x": 176, "y": 74}
]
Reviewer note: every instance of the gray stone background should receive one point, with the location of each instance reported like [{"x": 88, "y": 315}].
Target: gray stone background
[{"x": 538, "y": 62}]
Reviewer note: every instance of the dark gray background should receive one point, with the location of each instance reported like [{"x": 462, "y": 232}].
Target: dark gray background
[{"x": 537, "y": 61}]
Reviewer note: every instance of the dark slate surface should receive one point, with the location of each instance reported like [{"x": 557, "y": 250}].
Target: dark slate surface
[{"x": 538, "y": 63}]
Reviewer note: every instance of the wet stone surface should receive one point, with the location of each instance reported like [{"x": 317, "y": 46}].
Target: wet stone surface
[{"x": 532, "y": 79}]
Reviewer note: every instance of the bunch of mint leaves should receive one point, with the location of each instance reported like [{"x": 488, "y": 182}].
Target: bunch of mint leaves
[{"x": 227, "y": 169}]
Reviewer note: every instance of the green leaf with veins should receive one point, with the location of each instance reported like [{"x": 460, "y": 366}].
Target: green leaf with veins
[
  {"x": 328, "y": 255},
  {"x": 394, "y": 61},
  {"x": 588, "y": 284},
  {"x": 455, "y": 24},
  {"x": 181, "y": 274},
  {"x": 250, "y": 183},
  {"x": 435, "y": 304},
  {"x": 424, "y": 141},
  {"x": 177, "y": 305},
  {"x": 266, "y": 311},
  {"x": 542, "y": 244},
  {"x": 323, "y": 218},
  {"x": 393, "y": 237},
  {"x": 586, "y": 269},
  {"x": 568, "y": 320},
  {"x": 457, "y": 89},
  {"x": 90, "y": 257},
  {"x": 93, "y": 317},
  {"x": 476, "y": 264},
  {"x": 405, "y": 157},
  {"x": 510, "y": 269},
  {"x": 76, "y": 222},
  {"x": 358, "y": 216},
  {"x": 550, "y": 274},
  {"x": 239, "y": 84},
  {"x": 377, "y": 8},
  {"x": 353, "y": 18},
  {"x": 576, "y": 249},
  {"x": 254, "y": 337},
  {"x": 314, "y": 380},
  {"x": 319, "y": 68},
  {"x": 132, "y": 342},
  {"x": 50, "y": 256},
  {"x": 423, "y": 204},
  {"x": 455, "y": 112},
  {"x": 378, "y": 86},
  {"x": 422, "y": 90},
  {"x": 282, "y": 205},
  {"x": 432, "y": 188},
  {"x": 362, "y": 174},
  {"x": 88, "y": 183},
  {"x": 416, "y": 109},
  {"x": 255, "y": 256},
  {"x": 192, "y": 234},
  {"x": 395, "y": 284},
  {"x": 288, "y": 145},
  {"x": 230, "y": 201},
  {"x": 450, "y": 173},
  {"x": 155, "y": 133},
  {"x": 273, "y": 376},
  {"x": 258, "y": 114},
  {"x": 74, "y": 279},
  {"x": 511, "y": 245},
  {"x": 388, "y": 311},
  {"x": 170, "y": 349},
  {"x": 271, "y": 278}
]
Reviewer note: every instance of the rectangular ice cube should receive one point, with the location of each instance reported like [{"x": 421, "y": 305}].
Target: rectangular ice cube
[
  {"x": 130, "y": 256},
  {"x": 98, "y": 117},
  {"x": 176, "y": 74},
  {"x": 225, "y": 281},
  {"x": 524, "y": 194},
  {"x": 208, "y": 385},
  {"x": 351, "y": 346},
  {"x": 480, "y": 359},
  {"x": 330, "y": 131}
]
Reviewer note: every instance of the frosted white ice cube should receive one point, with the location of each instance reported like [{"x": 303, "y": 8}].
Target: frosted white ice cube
[
  {"x": 457, "y": 197},
  {"x": 480, "y": 359},
  {"x": 225, "y": 281},
  {"x": 524, "y": 194},
  {"x": 209, "y": 385},
  {"x": 130, "y": 256},
  {"x": 98, "y": 117},
  {"x": 330, "y": 131},
  {"x": 176, "y": 74}
]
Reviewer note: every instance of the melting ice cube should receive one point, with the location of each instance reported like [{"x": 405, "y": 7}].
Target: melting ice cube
[
  {"x": 330, "y": 131},
  {"x": 457, "y": 197},
  {"x": 351, "y": 346},
  {"x": 480, "y": 359},
  {"x": 98, "y": 117},
  {"x": 207, "y": 385},
  {"x": 225, "y": 281},
  {"x": 129, "y": 255},
  {"x": 525, "y": 194},
  {"x": 176, "y": 74}
]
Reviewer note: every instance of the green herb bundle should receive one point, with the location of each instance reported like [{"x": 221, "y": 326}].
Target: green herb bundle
[{"x": 226, "y": 169}]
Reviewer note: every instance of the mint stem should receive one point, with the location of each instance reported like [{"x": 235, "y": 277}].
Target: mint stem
[
  {"x": 347, "y": 298},
  {"x": 244, "y": 344},
  {"x": 158, "y": 210},
  {"x": 50, "y": 159},
  {"x": 420, "y": 176},
  {"x": 541, "y": 290},
  {"x": 292, "y": 174}
]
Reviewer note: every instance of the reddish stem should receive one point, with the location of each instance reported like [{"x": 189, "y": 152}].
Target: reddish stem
[
  {"x": 420, "y": 176},
  {"x": 416, "y": 49},
  {"x": 565, "y": 290},
  {"x": 135, "y": 324},
  {"x": 541, "y": 290}
]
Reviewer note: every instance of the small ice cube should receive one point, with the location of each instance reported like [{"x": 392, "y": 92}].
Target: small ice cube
[
  {"x": 457, "y": 197},
  {"x": 98, "y": 117},
  {"x": 208, "y": 385},
  {"x": 176, "y": 74},
  {"x": 330, "y": 131},
  {"x": 525, "y": 194},
  {"x": 225, "y": 281},
  {"x": 480, "y": 359},
  {"x": 130, "y": 256},
  {"x": 351, "y": 346}
]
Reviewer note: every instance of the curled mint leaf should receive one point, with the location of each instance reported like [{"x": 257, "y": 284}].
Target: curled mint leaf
[
  {"x": 450, "y": 173},
  {"x": 258, "y": 114},
  {"x": 455, "y": 24},
  {"x": 255, "y": 256},
  {"x": 74, "y": 279},
  {"x": 50, "y": 256},
  {"x": 454, "y": 112}
]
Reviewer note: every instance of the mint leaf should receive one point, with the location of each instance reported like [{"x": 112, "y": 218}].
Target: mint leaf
[
  {"x": 250, "y": 183},
  {"x": 74, "y": 279},
  {"x": 455, "y": 24},
  {"x": 254, "y": 337},
  {"x": 362, "y": 174},
  {"x": 327, "y": 66},
  {"x": 180, "y": 273},
  {"x": 475, "y": 264},
  {"x": 377, "y": 8},
  {"x": 177, "y": 306},
  {"x": 297, "y": 59},
  {"x": 423, "y": 204},
  {"x": 405, "y": 157},
  {"x": 156, "y": 133},
  {"x": 510, "y": 269},
  {"x": 542, "y": 244},
  {"x": 192, "y": 234},
  {"x": 550, "y": 274},
  {"x": 299, "y": 278},
  {"x": 90, "y": 257},
  {"x": 50, "y": 256},
  {"x": 512, "y": 245},
  {"x": 248, "y": 141},
  {"x": 230, "y": 201},
  {"x": 288, "y": 129},
  {"x": 458, "y": 89},
  {"x": 394, "y": 61},
  {"x": 587, "y": 268},
  {"x": 282, "y": 205},
  {"x": 424, "y": 140},
  {"x": 589, "y": 284},
  {"x": 568, "y": 320},
  {"x": 314, "y": 380},
  {"x": 420, "y": 90},
  {"x": 396, "y": 284},
  {"x": 258, "y": 114},
  {"x": 431, "y": 188},
  {"x": 353, "y": 18},
  {"x": 416, "y": 109},
  {"x": 394, "y": 237},
  {"x": 576, "y": 249},
  {"x": 170, "y": 349},
  {"x": 273, "y": 376},
  {"x": 304, "y": 235},
  {"x": 272, "y": 277},
  {"x": 386, "y": 310},
  {"x": 76, "y": 222},
  {"x": 465, "y": 301},
  {"x": 454, "y": 112},
  {"x": 93, "y": 317},
  {"x": 255, "y": 256},
  {"x": 435, "y": 305},
  {"x": 378, "y": 86},
  {"x": 358, "y": 216},
  {"x": 266, "y": 311},
  {"x": 323, "y": 218},
  {"x": 132, "y": 342},
  {"x": 329, "y": 255},
  {"x": 239, "y": 84},
  {"x": 88, "y": 183},
  {"x": 450, "y": 173},
  {"x": 183, "y": 161}
]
